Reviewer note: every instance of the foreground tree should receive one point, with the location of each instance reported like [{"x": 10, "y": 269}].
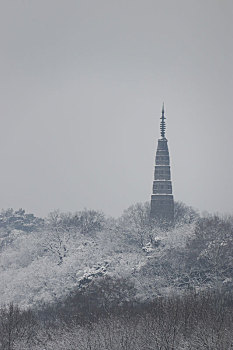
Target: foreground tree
[{"x": 15, "y": 326}]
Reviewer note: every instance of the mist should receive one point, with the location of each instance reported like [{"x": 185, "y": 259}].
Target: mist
[{"x": 82, "y": 86}]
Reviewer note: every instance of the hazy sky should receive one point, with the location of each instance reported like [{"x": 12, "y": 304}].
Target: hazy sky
[{"x": 81, "y": 90}]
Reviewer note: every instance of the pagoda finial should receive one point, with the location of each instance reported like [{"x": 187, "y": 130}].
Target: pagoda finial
[{"x": 162, "y": 124}]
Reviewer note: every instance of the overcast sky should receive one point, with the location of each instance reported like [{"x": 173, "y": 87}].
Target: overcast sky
[{"x": 81, "y": 90}]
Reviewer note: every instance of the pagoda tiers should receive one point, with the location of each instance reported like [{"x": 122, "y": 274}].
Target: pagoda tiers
[{"x": 162, "y": 202}]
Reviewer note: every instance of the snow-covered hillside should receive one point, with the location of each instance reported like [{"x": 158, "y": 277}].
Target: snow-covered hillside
[{"x": 66, "y": 252}]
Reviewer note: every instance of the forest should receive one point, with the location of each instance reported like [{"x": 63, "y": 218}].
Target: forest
[{"x": 87, "y": 281}]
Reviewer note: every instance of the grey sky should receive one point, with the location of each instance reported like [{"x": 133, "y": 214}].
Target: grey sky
[{"x": 82, "y": 85}]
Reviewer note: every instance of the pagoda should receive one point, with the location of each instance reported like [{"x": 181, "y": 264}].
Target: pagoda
[{"x": 162, "y": 202}]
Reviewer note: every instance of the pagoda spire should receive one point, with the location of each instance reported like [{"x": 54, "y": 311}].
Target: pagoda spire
[{"x": 162, "y": 124}]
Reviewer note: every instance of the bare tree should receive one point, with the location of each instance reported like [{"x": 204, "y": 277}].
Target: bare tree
[{"x": 15, "y": 325}]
